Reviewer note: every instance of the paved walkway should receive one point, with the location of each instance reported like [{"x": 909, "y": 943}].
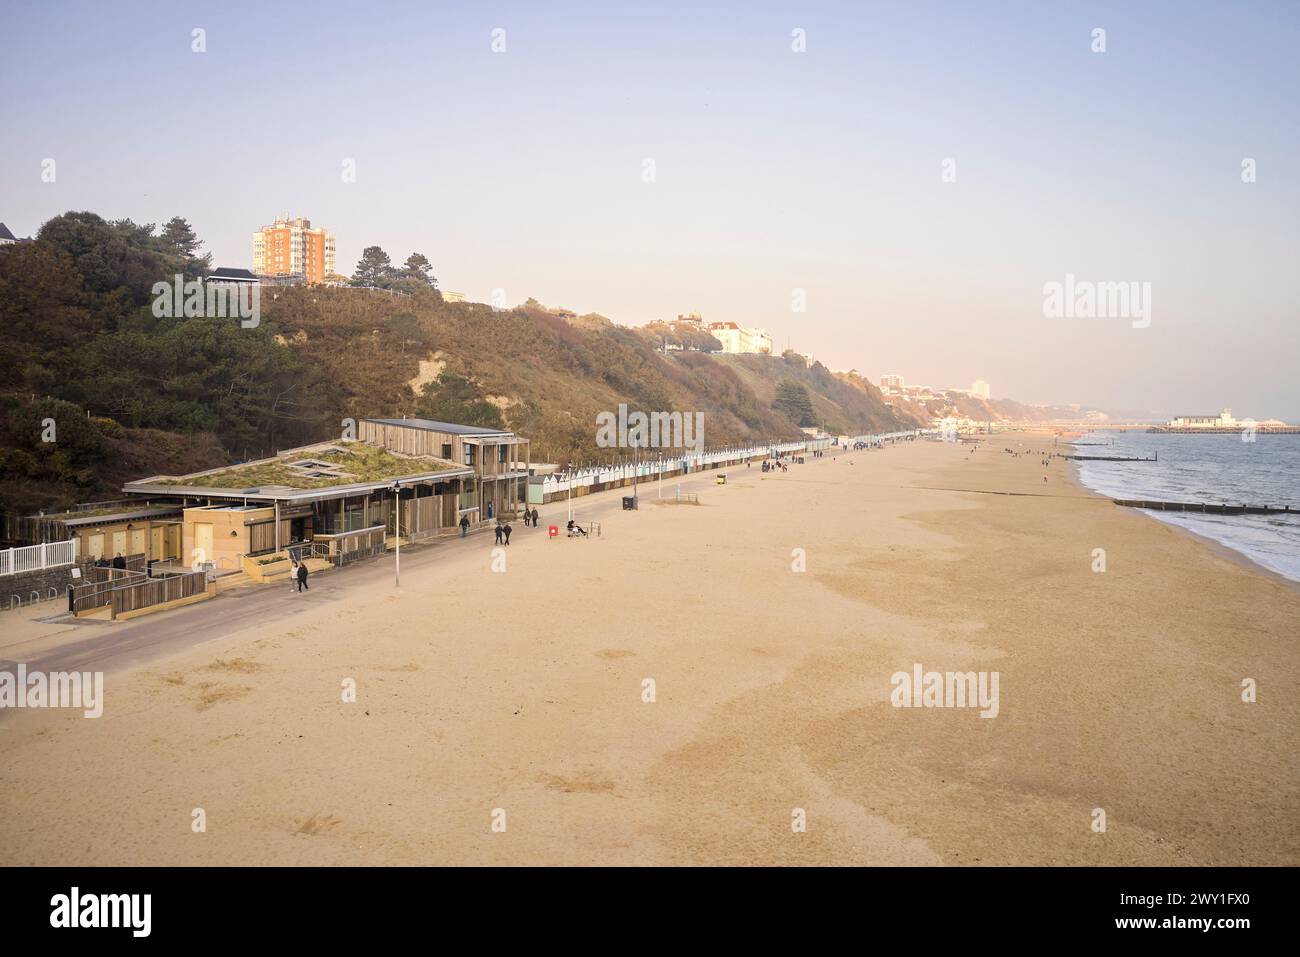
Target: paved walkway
[{"x": 92, "y": 645}]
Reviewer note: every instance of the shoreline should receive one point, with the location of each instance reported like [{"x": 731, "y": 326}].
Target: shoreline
[{"x": 1214, "y": 545}]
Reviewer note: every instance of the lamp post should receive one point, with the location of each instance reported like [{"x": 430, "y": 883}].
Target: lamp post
[{"x": 397, "y": 524}]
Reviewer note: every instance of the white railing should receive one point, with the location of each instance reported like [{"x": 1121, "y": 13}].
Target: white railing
[{"x": 33, "y": 558}]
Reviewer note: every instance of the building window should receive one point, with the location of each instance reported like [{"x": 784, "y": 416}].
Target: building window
[
  {"x": 502, "y": 453},
  {"x": 469, "y": 454},
  {"x": 446, "y": 450}
]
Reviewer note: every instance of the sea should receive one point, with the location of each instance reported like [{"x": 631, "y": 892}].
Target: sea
[{"x": 1213, "y": 469}]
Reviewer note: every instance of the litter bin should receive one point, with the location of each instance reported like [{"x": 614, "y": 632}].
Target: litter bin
[
  {"x": 629, "y": 503},
  {"x": 721, "y": 479}
]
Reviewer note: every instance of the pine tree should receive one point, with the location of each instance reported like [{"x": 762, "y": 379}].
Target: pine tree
[
  {"x": 373, "y": 269},
  {"x": 178, "y": 235},
  {"x": 418, "y": 267}
]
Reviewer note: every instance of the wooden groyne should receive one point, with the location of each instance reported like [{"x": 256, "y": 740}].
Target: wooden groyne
[
  {"x": 1224, "y": 509},
  {"x": 1110, "y": 458}
]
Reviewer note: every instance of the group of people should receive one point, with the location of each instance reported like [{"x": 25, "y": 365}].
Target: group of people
[
  {"x": 118, "y": 562},
  {"x": 299, "y": 576},
  {"x": 775, "y": 466},
  {"x": 503, "y": 529}
]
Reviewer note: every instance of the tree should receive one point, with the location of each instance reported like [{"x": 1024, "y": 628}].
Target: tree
[
  {"x": 121, "y": 255},
  {"x": 454, "y": 398},
  {"x": 178, "y": 234},
  {"x": 792, "y": 400},
  {"x": 374, "y": 268},
  {"x": 418, "y": 267}
]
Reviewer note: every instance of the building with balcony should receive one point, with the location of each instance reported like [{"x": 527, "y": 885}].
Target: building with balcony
[{"x": 291, "y": 248}]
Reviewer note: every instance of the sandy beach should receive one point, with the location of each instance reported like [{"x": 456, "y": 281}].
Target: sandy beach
[{"x": 523, "y": 690}]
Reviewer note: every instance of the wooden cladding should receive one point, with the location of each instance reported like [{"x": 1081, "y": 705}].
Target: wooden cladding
[
  {"x": 156, "y": 591},
  {"x": 486, "y": 454}
]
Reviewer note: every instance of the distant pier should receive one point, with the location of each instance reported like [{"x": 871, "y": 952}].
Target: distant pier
[{"x": 1226, "y": 430}]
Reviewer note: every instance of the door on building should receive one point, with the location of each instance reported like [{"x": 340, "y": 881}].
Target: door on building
[
  {"x": 96, "y": 546},
  {"x": 202, "y": 542},
  {"x": 119, "y": 543},
  {"x": 137, "y": 542},
  {"x": 156, "y": 543}
]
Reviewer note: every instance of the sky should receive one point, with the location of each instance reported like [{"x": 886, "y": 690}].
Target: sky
[{"x": 913, "y": 177}]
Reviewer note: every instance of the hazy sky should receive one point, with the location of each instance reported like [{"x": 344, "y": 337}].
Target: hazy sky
[{"x": 773, "y": 170}]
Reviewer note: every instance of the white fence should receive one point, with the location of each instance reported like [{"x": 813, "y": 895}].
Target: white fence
[
  {"x": 33, "y": 558},
  {"x": 600, "y": 475}
]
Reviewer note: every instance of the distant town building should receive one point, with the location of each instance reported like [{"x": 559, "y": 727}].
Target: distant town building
[
  {"x": 230, "y": 276},
  {"x": 449, "y": 296},
  {"x": 6, "y": 237},
  {"x": 691, "y": 317},
  {"x": 292, "y": 248},
  {"x": 807, "y": 360},
  {"x": 738, "y": 340},
  {"x": 892, "y": 382},
  {"x": 981, "y": 389}
]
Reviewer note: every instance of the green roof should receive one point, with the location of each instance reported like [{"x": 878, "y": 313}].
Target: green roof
[{"x": 343, "y": 463}]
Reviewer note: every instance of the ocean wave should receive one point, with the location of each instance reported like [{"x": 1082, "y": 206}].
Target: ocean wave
[{"x": 1213, "y": 469}]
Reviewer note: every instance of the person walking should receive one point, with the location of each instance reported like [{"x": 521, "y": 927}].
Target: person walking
[
  {"x": 302, "y": 576},
  {"x": 535, "y": 518},
  {"x": 498, "y": 530},
  {"x": 119, "y": 561},
  {"x": 464, "y": 525},
  {"x": 506, "y": 530}
]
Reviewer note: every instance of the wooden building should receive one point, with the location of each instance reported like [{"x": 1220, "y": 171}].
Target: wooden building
[
  {"x": 500, "y": 461},
  {"x": 439, "y": 472},
  {"x": 108, "y": 529},
  {"x": 318, "y": 492}
]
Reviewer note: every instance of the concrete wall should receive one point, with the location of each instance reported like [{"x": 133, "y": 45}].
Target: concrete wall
[{"x": 24, "y": 583}]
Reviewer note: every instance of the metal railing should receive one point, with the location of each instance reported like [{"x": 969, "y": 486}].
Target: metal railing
[
  {"x": 348, "y": 547},
  {"x": 305, "y": 550}
]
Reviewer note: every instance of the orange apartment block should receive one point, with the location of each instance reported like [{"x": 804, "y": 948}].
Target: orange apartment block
[{"x": 290, "y": 247}]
